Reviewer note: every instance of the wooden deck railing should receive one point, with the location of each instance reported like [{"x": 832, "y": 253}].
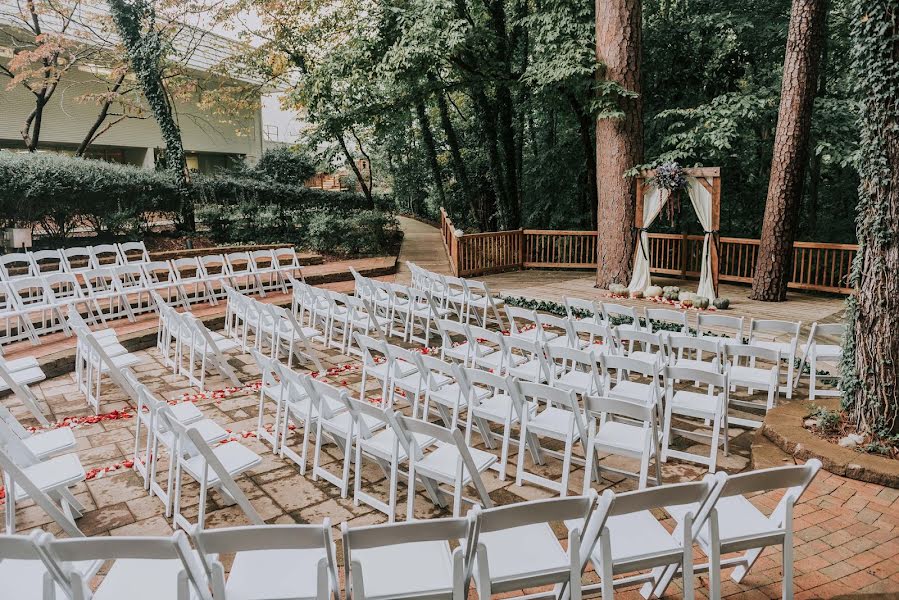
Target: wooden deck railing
[{"x": 816, "y": 266}]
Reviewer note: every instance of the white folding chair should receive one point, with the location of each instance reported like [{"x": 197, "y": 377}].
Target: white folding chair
[
  {"x": 580, "y": 309},
  {"x": 524, "y": 324},
  {"x": 736, "y": 525},
  {"x": 43, "y": 444},
  {"x": 464, "y": 350},
  {"x": 301, "y": 410},
  {"x": 215, "y": 270},
  {"x": 770, "y": 334},
  {"x": 761, "y": 373},
  {"x": 339, "y": 427},
  {"x": 191, "y": 281},
  {"x": 376, "y": 363},
  {"x": 145, "y": 568},
  {"x": 408, "y": 376},
  {"x": 99, "y": 363},
  {"x": 46, "y": 262},
  {"x": 444, "y": 391},
  {"x": 824, "y": 344},
  {"x": 106, "y": 255},
  {"x": 208, "y": 349},
  {"x": 646, "y": 388},
  {"x": 449, "y": 462},
  {"x": 263, "y": 264},
  {"x": 77, "y": 260},
  {"x": 103, "y": 285},
  {"x": 640, "y": 345},
  {"x": 11, "y": 313},
  {"x": 710, "y": 325},
  {"x": 271, "y": 388},
  {"x": 630, "y": 539},
  {"x": 575, "y": 370},
  {"x": 529, "y": 360},
  {"x": 35, "y": 305},
  {"x": 662, "y": 319},
  {"x": 288, "y": 265},
  {"x": 710, "y": 408},
  {"x": 107, "y": 338},
  {"x": 454, "y": 294},
  {"x": 46, "y": 482},
  {"x": 499, "y": 360},
  {"x": 23, "y": 572},
  {"x": 134, "y": 253},
  {"x": 557, "y": 417},
  {"x": 212, "y": 467},
  {"x": 293, "y": 337},
  {"x": 271, "y": 562},
  {"x": 594, "y": 337},
  {"x": 695, "y": 352},
  {"x": 620, "y": 316},
  {"x": 424, "y": 313},
  {"x": 408, "y": 560},
  {"x": 18, "y": 382},
  {"x": 622, "y": 428},
  {"x": 501, "y": 406},
  {"x": 64, "y": 291},
  {"x": 160, "y": 277},
  {"x": 561, "y": 327},
  {"x": 480, "y": 302},
  {"x": 517, "y": 548},
  {"x": 15, "y": 265},
  {"x": 243, "y": 277}
]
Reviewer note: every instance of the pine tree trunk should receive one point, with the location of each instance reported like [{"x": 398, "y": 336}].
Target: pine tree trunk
[
  {"x": 870, "y": 366},
  {"x": 791, "y": 140},
  {"x": 619, "y": 142},
  {"x": 430, "y": 150}
]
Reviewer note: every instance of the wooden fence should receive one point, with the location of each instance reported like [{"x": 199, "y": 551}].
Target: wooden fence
[{"x": 816, "y": 266}]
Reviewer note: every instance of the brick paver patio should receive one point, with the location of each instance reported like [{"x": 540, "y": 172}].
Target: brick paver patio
[{"x": 847, "y": 532}]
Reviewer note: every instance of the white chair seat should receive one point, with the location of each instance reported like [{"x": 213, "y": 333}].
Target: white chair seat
[
  {"x": 694, "y": 404},
  {"x": 529, "y": 371},
  {"x": 61, "y": 471},
  {"x": 498, "y": 408},
  {"x": 692, "y": 363},
  {"x": 449, "y": 393},
  {"x": 186, "y": 412},
  {"x": 578, "y": 381},
  {"x": 481, "y": 301},
  {"x": 596, "y": 348},
  {"x": 141, "y": 580},
  {"x": 649, "y": 358},
  {"x": 632, "y": 534},
  {"x": 211, "y": 431},
  {"x": 26, "y": 579},
  {"x": 738, "y": 518},
  {"x": 493, "y": 360},
  {"x": 785, "y": 348},
  {"x": 633, "y": 390},
  {"x": 461, "y": 351},
  {"x": 121, "y": 361},
  {"x": 530, "y": 549},
  {"x": 824, "y": 350},
  {"x": 267, "y": 574},
  {"x": 50, "y": 442},
  {"x": 381, "y": 444},
  {"x": 751, "y": 375},
  {"x": 415, "y": 381},
  {"x": 401, "y": 369},
  {"x": 441, "y": 463},
  {"x": 235, "y": 457},
  {"x": 431, "y": 575},
  {"x": 25, "y": 377},
  {"x": 621, "y": 436},
  {"x": 20, "y": 364},
  {"x": 341, "y": 423},
  {"x": 553, "y": 421}
]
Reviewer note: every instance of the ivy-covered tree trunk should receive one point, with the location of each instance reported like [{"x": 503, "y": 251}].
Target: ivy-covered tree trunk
[
  {"x": 791, "y": 140},
  {"x": 135, "y": 22},
  {"x": 619, "y": 141},
  {"x": 427, "y": 137},
  {"x": 870, "y": 366}
]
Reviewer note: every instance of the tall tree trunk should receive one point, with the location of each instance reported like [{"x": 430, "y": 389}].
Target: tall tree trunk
[
  {"x": 427, "y": 137},
  {"x": 870, "y": 366},
  {"x": 797, "y": 96},
  {"x": 585, "y": 132},
  {"x": 488, "y": 117},
  {"x": 619, "y": 142},
  {"x": 459, "y": 169},
  {"x": 135, "y": 23},
  {"x": 814, "y": 161}
]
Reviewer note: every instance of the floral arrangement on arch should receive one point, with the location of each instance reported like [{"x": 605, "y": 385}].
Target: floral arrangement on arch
[{"x": 672, "y": 178}]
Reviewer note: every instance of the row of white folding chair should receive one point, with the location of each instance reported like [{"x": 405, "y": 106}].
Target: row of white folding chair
[
  {"x": 503, "y": 549},
  {"x": 98, "y": 357},
  {"x": 825, "y": 344},
  {"x": 197, "y": 349},
  {"x": 270, "y": 325},
  {"x": 405, "y": 309},
  {"x": 196, "y": 446},
  {"x": 15, "y": 376},
  {"x": 466, "y": 297},
  {"x": 71, "y": 260},
  {"x": 348, "y": 315}
]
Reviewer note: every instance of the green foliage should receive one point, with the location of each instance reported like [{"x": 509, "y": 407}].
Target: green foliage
[
  {"x": 58, "y": 191},
  {"x": 353, "y": 233},
  {"x": 827, "y": 421},
  {"x": 285, "y": 165}
]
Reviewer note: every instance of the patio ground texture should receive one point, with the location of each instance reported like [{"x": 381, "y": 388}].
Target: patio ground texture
[{"x": 847, "y": 532}]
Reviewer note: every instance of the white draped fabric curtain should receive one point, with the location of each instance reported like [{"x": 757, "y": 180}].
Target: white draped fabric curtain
[{"x": 653, "y": 203}]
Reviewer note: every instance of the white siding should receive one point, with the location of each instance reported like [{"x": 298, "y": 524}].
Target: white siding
[{"x": 66, "y": 121}]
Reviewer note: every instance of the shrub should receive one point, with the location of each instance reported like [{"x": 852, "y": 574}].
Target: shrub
[
  {"x": 285, "y": 165},
  {"x": 362, "y": 232}
]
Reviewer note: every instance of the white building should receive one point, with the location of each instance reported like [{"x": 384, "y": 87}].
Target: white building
[{"x": 209, "y": 141}]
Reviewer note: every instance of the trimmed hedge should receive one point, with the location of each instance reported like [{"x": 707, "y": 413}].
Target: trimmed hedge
[{"x": 61, "y": 191}]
